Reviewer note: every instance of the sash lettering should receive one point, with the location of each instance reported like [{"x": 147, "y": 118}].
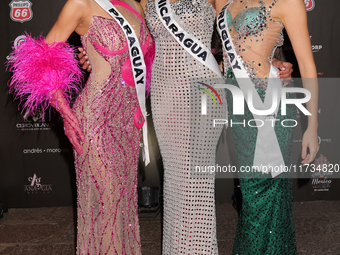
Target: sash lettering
[
  {"x": 191, "y": 44},
  {"x": 267, "y": 150},
  {"x": 137, "y": 63}
]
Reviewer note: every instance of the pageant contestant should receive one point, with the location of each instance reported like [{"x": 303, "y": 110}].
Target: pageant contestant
[
  {"x": 186, "y": 137},
  {"x": 266, "y": 223},
  {"x": 105, "y": 123},
  {"x": 183, "y": 31}
]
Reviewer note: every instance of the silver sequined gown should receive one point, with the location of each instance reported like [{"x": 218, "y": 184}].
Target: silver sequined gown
[{"x": 187, "y": 138}]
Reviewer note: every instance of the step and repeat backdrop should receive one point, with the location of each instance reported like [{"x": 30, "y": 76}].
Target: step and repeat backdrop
[{"x": 36, "y": 161}]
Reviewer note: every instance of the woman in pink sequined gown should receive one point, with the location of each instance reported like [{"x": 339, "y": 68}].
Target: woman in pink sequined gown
[{"x": 106, "y": 141}]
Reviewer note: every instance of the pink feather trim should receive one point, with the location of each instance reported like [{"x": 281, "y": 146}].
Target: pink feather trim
[
  {"x": 39, "y": 69},
  {"x": 148, "y": 58}
]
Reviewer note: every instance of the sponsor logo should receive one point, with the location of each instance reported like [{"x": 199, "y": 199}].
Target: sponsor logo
[
  {"x": 315, "y": 47},
  {"x": 21, "y": 10},
  {"x": 310, "y": 4},
  {"x": 17, "y": 42},
  {"x": 48, "y": 150},
  {"x": 34, "y": 122},
  {"x": 321, "y": 181},
  {"x": 35, "y": 186},
  {"x": 324, "y": 140}
]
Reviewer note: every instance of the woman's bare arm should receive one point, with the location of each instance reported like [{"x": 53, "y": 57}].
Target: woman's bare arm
[
  {"x": 292, "y": 13},
  {"x": 73, "y": 17}
]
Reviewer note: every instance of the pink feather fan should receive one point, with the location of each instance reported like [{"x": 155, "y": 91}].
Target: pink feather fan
[{"x": 39, "y": 69}]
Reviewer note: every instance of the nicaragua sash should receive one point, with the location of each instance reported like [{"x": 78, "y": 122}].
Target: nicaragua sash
[
  {"x": 268, "y": 154},
  {"x": 137, "y": 65},
  {"x": 191, "y": 44}
]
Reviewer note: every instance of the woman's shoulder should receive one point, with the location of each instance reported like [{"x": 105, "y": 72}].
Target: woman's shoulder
[
  {"x": 80, "y": 10},
  {"x": 78, "y": 5},
  {"x": 287, "y": 4},
  {"x": 286, "y": 8},
  {"x": 137, "y": 6}
]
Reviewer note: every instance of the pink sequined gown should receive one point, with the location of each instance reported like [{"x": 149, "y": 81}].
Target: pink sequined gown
[{"x": 107, "y": 169}]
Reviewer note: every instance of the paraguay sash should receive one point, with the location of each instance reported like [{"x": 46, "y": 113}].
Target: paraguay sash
[
  {"x": 137, "y": 64},
  {"x": 268, "y": 154},
  {"x": 191, "y": 44}
]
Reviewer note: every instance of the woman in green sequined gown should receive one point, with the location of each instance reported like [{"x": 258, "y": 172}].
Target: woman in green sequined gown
[{"x": 266, "y": 224}]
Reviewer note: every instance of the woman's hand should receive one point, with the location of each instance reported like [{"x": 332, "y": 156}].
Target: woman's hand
[
  {"x": 286, "y": 69},
  {"x": 310, "y": 141},
  {"x": 84, "y": 60}
]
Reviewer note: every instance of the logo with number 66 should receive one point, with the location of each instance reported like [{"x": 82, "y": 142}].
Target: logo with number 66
[
  {"x": 310, "y": 4},
  {"x": 21, "y": 10}
]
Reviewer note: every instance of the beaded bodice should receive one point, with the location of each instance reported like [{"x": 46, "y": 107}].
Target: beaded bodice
[
  {"x": 194, "y": 16},
  {"x": 109, "y": 41},
  {"x": 255, "y": 36}
]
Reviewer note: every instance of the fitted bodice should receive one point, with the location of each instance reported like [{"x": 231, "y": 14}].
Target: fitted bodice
[
  {"x": 111, "y": 79},
  {"x": 106, "y": 45},
  {"x": 196, "y": 17},
  {"x": 255, "y": 35}
]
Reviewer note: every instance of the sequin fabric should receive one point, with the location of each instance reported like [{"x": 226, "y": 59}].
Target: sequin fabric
[
  {"x": 186, "y": 137},
  {"x": 256, "y": 36},
  {"x": 266, "y": 224},
  {"x": 107, "y": 169}
]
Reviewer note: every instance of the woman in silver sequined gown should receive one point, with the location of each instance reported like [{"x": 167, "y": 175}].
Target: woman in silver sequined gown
[{"x": 187, "y": 139}]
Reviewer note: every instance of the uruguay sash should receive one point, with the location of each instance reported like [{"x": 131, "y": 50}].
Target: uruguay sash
[
  {"x": 191, "y": 44},
  {"x": 137, "y": 64},
  {"x": 268, "y": 154}
]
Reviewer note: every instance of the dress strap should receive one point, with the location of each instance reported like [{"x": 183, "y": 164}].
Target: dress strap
[
  {"x": 270, "y": 10},
  {"x": 125, "y": 5}
]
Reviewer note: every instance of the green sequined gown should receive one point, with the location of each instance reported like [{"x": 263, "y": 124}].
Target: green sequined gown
[{"x": 266, "y": 224}]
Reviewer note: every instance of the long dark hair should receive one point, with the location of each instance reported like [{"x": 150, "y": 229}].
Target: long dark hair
[{"x": 216, "y": 45}]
